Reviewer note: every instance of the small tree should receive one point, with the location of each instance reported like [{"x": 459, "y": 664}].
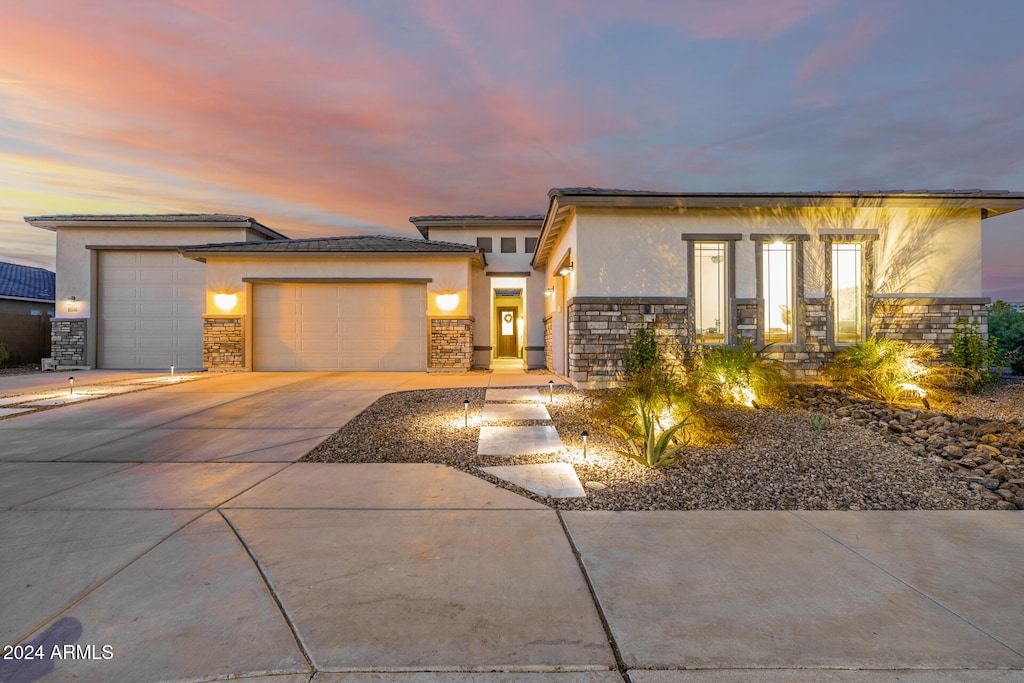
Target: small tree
[{"x": 1006, "y": 326}]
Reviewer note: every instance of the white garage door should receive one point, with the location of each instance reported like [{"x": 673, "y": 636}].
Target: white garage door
[
  {"x": 306, "y": 326},
  {"x": 150, "y": 310}
]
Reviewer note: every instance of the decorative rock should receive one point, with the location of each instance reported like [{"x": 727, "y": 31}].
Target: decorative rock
[{"x": 595, "y": 486}]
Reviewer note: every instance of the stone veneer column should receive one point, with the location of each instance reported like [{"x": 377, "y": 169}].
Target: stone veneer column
[
  {"x": 67, "y": 342},
  {"x": 223, "y": 342},
  {"x": 601, "y": 329},
  {"x": 747, "y": 318},
  {"x": 549, "y": 352},
  {"x": 926, "y": 320},
  {"x": 451, "y": 344}
]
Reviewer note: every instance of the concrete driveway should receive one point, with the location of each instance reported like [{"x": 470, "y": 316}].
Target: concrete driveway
[{"x": 168, "y": 535}]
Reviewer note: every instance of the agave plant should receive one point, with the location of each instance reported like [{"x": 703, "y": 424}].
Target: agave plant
[
  {"x": 894, "y": 371},
  {"x": 651, "y": 443}
]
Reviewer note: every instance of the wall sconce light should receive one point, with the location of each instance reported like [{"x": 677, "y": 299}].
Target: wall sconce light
[
  {"x": 71, "y": 304},
  {"x": 550, "y": 291},
  {"x": 565, "y": 269},
  {"x": 447, "y": 302},
  {"x": 225, "y": 302},
  {"x": 584, "y": 434},
  {"x": 465, "y": 412}
]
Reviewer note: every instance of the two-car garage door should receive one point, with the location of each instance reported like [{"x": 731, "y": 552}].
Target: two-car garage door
[{"x": 339, "y": 326}]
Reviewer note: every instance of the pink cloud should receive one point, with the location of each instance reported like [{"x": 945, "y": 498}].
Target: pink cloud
[{"x": 835, "y": 55}]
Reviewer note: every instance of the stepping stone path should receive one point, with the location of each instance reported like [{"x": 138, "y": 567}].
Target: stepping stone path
[{"x": 554, "y": 480}]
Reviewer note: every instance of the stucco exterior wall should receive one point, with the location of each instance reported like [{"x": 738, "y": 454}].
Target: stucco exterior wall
[
  {"x": 640, "y": 252},
  {"x": 565, "y": 289},
  {"x": 77, "y": 266},
  {"x": 224, "y": 275}
]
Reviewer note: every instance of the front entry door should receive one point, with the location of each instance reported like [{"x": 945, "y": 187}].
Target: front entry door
[{"x": 507, "y": 332}]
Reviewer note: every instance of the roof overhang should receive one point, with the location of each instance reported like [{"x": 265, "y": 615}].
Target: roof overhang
[
  {"x": 564, "y": 203},
  {"x": 425, "y": 223},
  {"x": 203, "y": 255},
  {"x": 152, "y": 222}
]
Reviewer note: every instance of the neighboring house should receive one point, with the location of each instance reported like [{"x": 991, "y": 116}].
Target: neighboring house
[
  {"x": 804, "y": 272},
  {"x": 26, "y": 307}
]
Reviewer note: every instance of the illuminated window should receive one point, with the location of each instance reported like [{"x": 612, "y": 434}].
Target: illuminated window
[
  {"x": 847, "y": 292},
  {"x": 777, "y": 271},
  {"x": 710, "y": 296}
]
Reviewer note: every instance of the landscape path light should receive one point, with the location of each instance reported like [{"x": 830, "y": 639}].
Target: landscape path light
[
  {"x": 172, "y": 369},
  {"x": 465, "y": 411},
  {"x": 584, "y": 434},
  {"x": 71, "y": 385},
  {"x": 551, "y": 391}
]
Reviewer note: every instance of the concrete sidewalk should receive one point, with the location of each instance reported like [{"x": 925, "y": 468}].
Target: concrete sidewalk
[{"x": 169, "y": 536}]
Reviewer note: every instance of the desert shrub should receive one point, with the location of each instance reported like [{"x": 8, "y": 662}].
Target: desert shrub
[
  {"x": 8, "y": 356},
  {"x": 1006, "y": 324},
  {"x": 894, "y": 371},
  {"x": 642, "y": 357},
  {"x": 973, "y": 352},
  {"x": 738, "y": 375}
]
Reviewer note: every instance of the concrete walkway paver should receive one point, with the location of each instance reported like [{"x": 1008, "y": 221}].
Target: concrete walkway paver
[
  {"x": 499, "y": 440},
  {"x": 497, "y": 412},
  {"x": 21, "y": 482},
  {"x": 548, "y": 480},
  {"x": 514, "y": 394}
]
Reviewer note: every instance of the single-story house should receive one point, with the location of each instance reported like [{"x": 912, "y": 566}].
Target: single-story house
[
  {"x": 26, "y": 308},
  {"x": 804, "y": 272}
]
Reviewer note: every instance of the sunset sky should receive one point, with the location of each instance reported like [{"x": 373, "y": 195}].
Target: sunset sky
[{"x": 323, "y": 117}]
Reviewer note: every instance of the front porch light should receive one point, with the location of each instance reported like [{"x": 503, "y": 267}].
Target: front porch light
[
  {"x": 550, "y": 291},
  {"x": 71, "y": 304},
  {"x": 565, "y": 269},
  {"x": 225, "y": 302},
  {"x": 447, "y": 302}
]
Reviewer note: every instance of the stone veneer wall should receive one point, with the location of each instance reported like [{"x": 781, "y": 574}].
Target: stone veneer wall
[
  {"x": 922, "y": 320},
  {"x": 67, "y": 342},
  {"x": 813, "y": 352},
  {"x": 600, "y": 331},
  {"x": 451, "y": 343},
  {"x": 549, "y": 351},
  {"x": 748, "y": 316},
  {"x": 223, "y": 343}
]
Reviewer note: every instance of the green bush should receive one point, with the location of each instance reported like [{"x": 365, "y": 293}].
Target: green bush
[
  {"x": 738, "y": 376},
  {"x": 972, "y": 352},
  {"x": 1006, "y": 324},
  {"x": 8, "y": 356},
  {"x": 894, "y": 371},
  {"x": 642, "y": 357}
]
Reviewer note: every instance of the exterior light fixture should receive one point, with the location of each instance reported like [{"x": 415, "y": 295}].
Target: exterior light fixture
[
  {"x": 172, "y": 369},
  {"x": 465, "y": 412},
  {"x": 584, "y": 434},
  {"x": 565, "y": 269},
  {"x": 551, "y": 390},
  {"x": 447, "y": 302},
  {"x": 71, "y": 304},
  {"x": 71, "y": 386},
  {"x": 550, "y": 291},
  {"x": 225, "y": 302}
]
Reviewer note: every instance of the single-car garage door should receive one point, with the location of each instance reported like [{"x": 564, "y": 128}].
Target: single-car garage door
[
  {"x": 150, "y": 310},
  {"x": 339, "y": 326}
]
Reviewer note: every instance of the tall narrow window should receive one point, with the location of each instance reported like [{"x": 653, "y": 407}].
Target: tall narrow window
[
  {"x": 709, "y": 296},
  {"x": 778, "y": 293},
  {"x": 847, "y": 292}
]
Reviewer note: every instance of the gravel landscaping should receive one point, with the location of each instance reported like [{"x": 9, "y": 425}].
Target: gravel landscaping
[{"x": 872, "y": 457}]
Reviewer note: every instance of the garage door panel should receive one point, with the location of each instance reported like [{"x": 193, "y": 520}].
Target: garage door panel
[
  {"x": 340, "y": 326},
  {"x": 150, "y": 307}
]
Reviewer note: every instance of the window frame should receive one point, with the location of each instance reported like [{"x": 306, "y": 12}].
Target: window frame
[
  {"x": 486, "y": 244},
  {"x": 527, "y": 245},
  {"x": 866, "y": 240},
  {"x": 505, "y": 241},
  {"x": 796, "y": 242},
  {"x": 728, "y": 241}
]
